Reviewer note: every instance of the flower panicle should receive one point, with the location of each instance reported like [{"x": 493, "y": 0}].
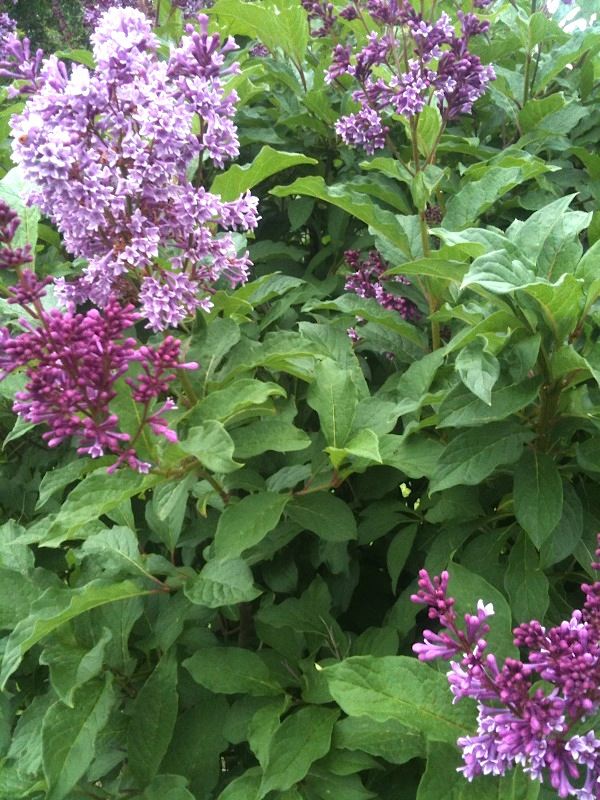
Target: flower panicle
[
  {"x": 425, "y": 61},
  {"x": 111, "y": 154},
  {"x": 519, "y": 723}
]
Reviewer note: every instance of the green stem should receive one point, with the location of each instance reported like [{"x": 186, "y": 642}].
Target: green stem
[
  {"x": 187, "y": 386},
  {"x": 526, "y": 78},
  {"x": 219, "y": 489}
]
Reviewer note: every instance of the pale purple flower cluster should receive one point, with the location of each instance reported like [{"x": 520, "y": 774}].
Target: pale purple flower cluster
[
  {"x": 412, "y": 63},
  {"x": 94, "y": 9},
  {"x": 111, "y": 156},
  {"x": 365, "y": 280},
  {"x": 521, "y": 723},
  {"x": 321, "y": 12},
  {"x": 74, "y": 361},
  {"x": 7, "y": 25},
  {"x": 17, "y": 62}
]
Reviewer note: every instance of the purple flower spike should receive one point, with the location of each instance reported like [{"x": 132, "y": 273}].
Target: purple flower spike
[
  {"x": 519, "y": 723},
  {"x": 423, "y": 61},
  {"x": 111, "y": 156}
]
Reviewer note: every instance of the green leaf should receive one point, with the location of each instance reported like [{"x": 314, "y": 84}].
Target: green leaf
[
  {"x": 57, "y": 479},
  {"x": 69, "y": 736},
  {"x": 234, "y": 401},
  {"x": 97, "y": 494},
  {"x": 236, "y": 180},
  {"x": 324, "y": 514},
  {"x": 231, "y": 670},
  {"x": 478, "y": 370},
  {"x": 566, "y": 536},
  {"x": 222, "y": 583},
  {"x": 561, "y": 304},
  {"x": 268, "y": 434},
  {"x": 153, "y": 716},
  {"x": 429, "y": 127},
  {"x": 525, "y": 582},
  {"x": 166, "y": 787},
  {"x": 476, "y": 197},
  {"x": 474, "y": 454},
  {"x": 380, "y": 221},
  {"x": 300, "y": 740},
  {"x": 534, "y": 110},
  {"x": 550, "y": 237},
  {"x": 243, "y": 525},
  {"x": 54, "y": 608},
  {"x": 461, "y": 409},
  {"x": 363, "y": 444},
  {"x": 243, "y": 788},
  {"x": 390, "y": 739},
  {"x": 279, "y": 24},
  {"x": 212, "y": 445},
  {"x": 117, "y": 549},
  {"x": 166, "y": 512},
  {"x": 370, "y": 310},
  {"x": 322, "y": 784},
  {"x": 499, "y": 273},
  {"x": 538, "y": 495},
  {"x": 435, "y": 265},
  {"x": 416, "y": 455},
  {"x": 70, "y": 664},
  {"x": 334, "y": 397},
  {"x": 197, "y": 743},
  {"x": 399, "y": 688},
  {"x": 398, "y": 552}
]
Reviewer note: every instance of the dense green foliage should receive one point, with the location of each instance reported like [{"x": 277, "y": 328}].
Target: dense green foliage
[{"x": 236, "y": 624}]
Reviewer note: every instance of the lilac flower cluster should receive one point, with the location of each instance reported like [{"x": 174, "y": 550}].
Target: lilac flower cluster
[
  {"x": 17, "y": 62},
  {"x": 519, "y": 722},
  {"x": 74, "y": 361},
  {"x": 322, "y": 12},
  {"x": 365, "y": 280},
  {"x": 111, "y": 156},
  {"x": 94, "y": 9},
  {"x": 410, "y": 63}
]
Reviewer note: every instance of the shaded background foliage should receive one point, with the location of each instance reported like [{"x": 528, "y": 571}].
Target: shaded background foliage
[{"x": 237, "y": 623}]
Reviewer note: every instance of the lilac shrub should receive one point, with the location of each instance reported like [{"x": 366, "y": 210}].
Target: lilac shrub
[
  {"x": 411, "y": 62},
  {"x": 520, "y": 722},
  {"x": 110, "y": 155}
]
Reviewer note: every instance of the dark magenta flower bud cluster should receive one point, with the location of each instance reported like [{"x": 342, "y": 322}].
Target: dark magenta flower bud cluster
[
  {"x": 74, "y": 361},
  {"x": 366, "y": 278},
  {"x": 521, "y": 722},
  {"x": 410, "y": 62},
  {"x": 11, "y": 257},
  {"x": 112, "y": 156}
]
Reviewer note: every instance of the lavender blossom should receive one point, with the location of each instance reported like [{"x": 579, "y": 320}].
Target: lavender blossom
[
  {"x": 322, "y": 12},
  {"x": 110, "y": 153},
  {"x": 411, "y": 63},
  {"x": 94, "y": 9},
  {"x": 519, "y": 723},
  {"x": 18, "y": 63}
]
